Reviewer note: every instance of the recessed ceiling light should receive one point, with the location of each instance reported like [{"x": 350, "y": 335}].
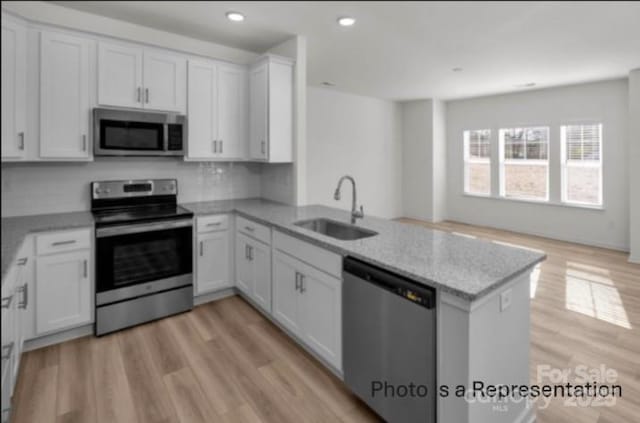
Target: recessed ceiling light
[
  {"x": 526, "y": 85},
  {"x": 457, "y": 69},
  {"x": 235, "y": 16},
  {"x": 346, "y": 21}
]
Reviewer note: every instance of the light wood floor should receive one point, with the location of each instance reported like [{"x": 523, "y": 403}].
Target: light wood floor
[{"x": 223, "y": 362}]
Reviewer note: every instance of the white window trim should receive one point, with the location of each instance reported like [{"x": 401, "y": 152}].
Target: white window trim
[
  {"x": 474, "y": 160},
  {"x": 525, "y": 162},
  {"x": 564, "y": 163}
]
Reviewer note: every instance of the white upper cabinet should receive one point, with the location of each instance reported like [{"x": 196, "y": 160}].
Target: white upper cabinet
[
  {"x": 165, "y": 81},
  {"x": 135, "y": 77},
  {"x": 65, "y": 96},
  {"x": 120, "y": 75},
  {"x": 232, "y": 111},
  {"x": 217, "y": 108},
  {"x": 202, "y": 109},
  {"x": 14, "y": 69},
  {"x": 271, "y": 110}
]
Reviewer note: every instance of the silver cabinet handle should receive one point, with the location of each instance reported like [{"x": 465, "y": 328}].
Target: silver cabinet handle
[
  {"x": 214, "y": 224},
  {"x": 297, "y": 281},
  {"x": 146, "y": 95},
  {"x": 24, "y": 289},
  {"x": 250, "y": 253},
  {"x": 84, "y": 142},
  {"x": 246, "y": 252},
  {"x": 22, "y": 261},
  {"x": 302, "y": 288},
  {"x": 9, "y": 349},
  {"x": 221, "y": 144},
  {"x": 249, "y": 228},
  {"x": 215, "y": 146},
  {"x": 201, "y": 248},
  {"x": 20, "y": 140},
  {"x": 6, "y": 301},
  {"x": 85, "y": 269},
  {"x": 262, "y": 146},
  {"x": 139, "y": 98},
  {"x": 58, "y": 243}
]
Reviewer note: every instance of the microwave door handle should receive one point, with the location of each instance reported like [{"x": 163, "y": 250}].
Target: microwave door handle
[{"x": 165, "y": 137}]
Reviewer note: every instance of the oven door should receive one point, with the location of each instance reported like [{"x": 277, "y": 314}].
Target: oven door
[{"x": 140, "y": 259}]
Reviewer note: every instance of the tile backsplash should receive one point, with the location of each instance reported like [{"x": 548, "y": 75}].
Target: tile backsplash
[{"x": 36, "y": 188}]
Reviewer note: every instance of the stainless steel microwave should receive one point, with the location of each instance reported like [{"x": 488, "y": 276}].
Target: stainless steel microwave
[{"x": 138, "y": 133}]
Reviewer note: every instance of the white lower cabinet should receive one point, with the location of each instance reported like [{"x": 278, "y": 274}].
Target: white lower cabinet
[
  {"x": 253, "y": 269},
  {"x": 63, "y": 281},
  {"x": 307, "y": 301},
  {"x": 213, "y": 255}
]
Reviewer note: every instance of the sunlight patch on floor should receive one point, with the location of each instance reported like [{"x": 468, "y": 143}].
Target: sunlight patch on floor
[{"x": 594, "y": 295}]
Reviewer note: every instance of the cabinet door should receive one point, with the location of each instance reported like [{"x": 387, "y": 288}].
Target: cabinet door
[
  {"x": 165, "y": 81},
  {"x": 64, "y": 96},
  {"x": 280, "y": 126},
  {"x": 260, "y": 257},
  {"x": 232, "y": 112},
  {"x": 321, "y": 319},
  {"x": 285, "y": 291},
  {"x": 202, "y": 109},
  {"x": 120, "y": 75},
  {"x": 212, "y": 262},
  {"x": 244, "y": 268},
  {"x": 14, "y": 70},
  {"x": 63, "y": 291},
  {"x": 8, "y": 345},
  {"x": 258, "y": 87}
]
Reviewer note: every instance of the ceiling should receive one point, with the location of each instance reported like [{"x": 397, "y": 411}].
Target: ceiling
[{"x": 407, "y": 50}]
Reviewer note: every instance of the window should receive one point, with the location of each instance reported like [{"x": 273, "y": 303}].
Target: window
[
  {"x": 524, "y": 163},
  {"x": 582, "y": 164},
  {"x": 477, "y": 162}
]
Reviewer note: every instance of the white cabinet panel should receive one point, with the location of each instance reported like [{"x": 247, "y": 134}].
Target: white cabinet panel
[
  {"x": 244, "y": 268},
  {"x": 63, "y": 291},
  {"x": 14, "y": 70},
  {"x": 164, "y": 81},
  {"x": 285, "y": 291},
  {"x": 258, "y": 86},
  {"x": 212, "y": 272},
  {"x": 260, "y": 257},
  {"x": 232, "y": 112},
  {"x": 322, "y": 318},
  {"x": 64, "y": 96},
  {"x": 120, "y": 75},
  {"x": 202, "y": 109}
]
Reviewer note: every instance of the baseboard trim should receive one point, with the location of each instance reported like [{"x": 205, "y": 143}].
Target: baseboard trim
[
  {"x": 634, "y": 258},
  {"x": 214, "y": 296},
  {"x": 59, "y": 337}
]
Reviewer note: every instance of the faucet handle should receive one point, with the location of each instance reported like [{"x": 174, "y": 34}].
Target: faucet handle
[{"x": 359, "y": 213}]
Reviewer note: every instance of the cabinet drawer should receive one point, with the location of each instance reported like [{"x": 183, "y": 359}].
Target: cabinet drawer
[
  {"x": 253, "y": 229},
  {"x": 218, "y": 222},
  {"x": 317, "y": 257},
  {"x": 63, "y": 241}
]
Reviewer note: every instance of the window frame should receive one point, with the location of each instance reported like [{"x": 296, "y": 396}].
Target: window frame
[
  {"x": 564, "y": 165},
  {"x": 502, "y": 161},
  {"x": 467, "y": 159}
]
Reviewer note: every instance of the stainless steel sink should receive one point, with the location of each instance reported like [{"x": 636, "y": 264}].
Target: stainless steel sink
[{"x": 335, "y": 229}]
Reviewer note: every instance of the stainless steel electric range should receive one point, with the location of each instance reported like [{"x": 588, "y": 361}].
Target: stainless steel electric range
[{"x": 144, "y": 244}]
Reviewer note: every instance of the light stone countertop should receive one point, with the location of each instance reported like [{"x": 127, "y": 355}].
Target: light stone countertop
[{"x": 467, "y": 268}]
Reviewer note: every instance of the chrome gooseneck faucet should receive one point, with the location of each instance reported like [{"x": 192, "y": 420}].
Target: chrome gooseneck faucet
[{"x": 355, "y": 213}]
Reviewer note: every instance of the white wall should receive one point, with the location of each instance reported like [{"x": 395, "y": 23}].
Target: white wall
[
  {"x": 36, "y": 188},
  {"x": 424, "y": 159},
  {"x": 605, "y": 102},
  {"x": 358, "y": 136},
  {"x": 45, "y": 12},
  {"x": 634, "y": 168}
]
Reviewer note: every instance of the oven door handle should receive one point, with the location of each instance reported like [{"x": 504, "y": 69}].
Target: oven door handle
[{"x": 143, "y": 227}]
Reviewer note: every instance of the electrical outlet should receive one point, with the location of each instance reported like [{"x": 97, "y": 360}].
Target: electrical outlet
[{"x": 505, "y": 300}]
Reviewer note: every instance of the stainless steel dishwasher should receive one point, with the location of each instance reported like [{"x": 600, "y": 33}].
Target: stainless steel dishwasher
[{"x": 389, "y": 342}]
